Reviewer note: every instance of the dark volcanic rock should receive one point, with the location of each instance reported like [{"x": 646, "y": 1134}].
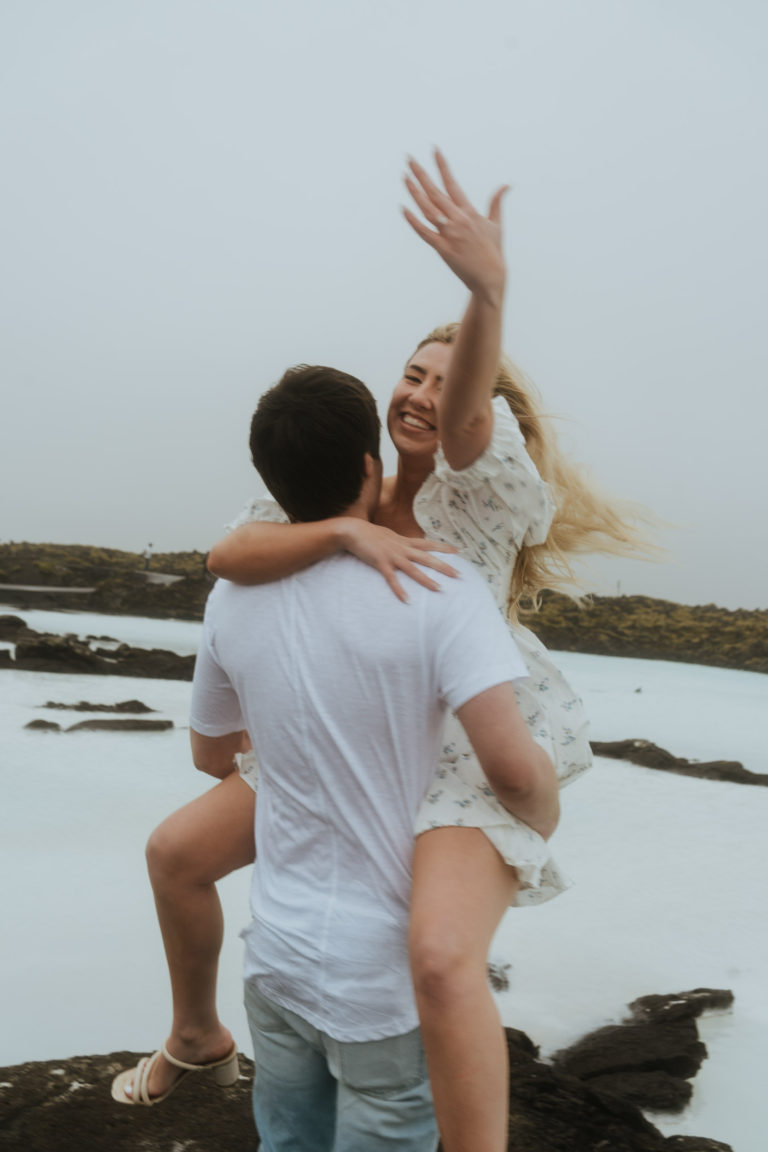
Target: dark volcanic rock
[
  {"x": 551, "y": 1112},
  {"x": 654, "y": 1091},
  {"x": 68, "y": 654},
  {"x": 56, "y": 654},
  {"x": 520, "y": 1048},
  {"x": 649, "y": 1058},
  {"x": 65, "y": 1106},
  {"x": 121, "y": 726},
  {"x": 672, "y": 1047},
  {"x": 134, "y": 706},
  {"x": 653, "y": 629},
  {"x": 43, "y": 726},
  {"x": 681, "y": 1005},
  {"x": 649, "y": 755},
  {"x": 6, "y": 661},
  {"x": 151, "y": 663},
  {"x": 695, "y": 1144},
  {"x": 13, "y": 628}
]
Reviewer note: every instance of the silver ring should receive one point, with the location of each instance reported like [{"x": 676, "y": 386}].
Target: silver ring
[{"x": 440, "y": 221}]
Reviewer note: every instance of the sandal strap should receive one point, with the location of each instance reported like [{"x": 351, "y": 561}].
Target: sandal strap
[
  {"x": 196, "y": 1067},
  {"x": 140, "y": 1087}
]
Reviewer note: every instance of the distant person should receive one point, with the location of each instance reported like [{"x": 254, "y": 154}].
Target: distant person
[
  {"x": 344, "y": 691},
  {"x": 147, "y": 557},
  {"x": 478, "y": 469}
]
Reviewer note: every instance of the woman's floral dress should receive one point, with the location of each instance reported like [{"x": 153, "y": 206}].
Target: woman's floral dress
[{"x": 489, "y": 511}]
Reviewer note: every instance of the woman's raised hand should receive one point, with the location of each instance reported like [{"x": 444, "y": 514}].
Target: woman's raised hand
[
  {"x": 469, "y": 243},
  {"x": 391, "y": 554}
]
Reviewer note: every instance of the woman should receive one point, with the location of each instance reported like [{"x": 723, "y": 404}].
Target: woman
[{"x": 466, "y": 475}]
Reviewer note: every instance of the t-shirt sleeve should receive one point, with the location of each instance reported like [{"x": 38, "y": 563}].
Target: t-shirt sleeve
[
  {"x": 474, "y": 648},
  {"x": 215, "y": 708},
  {"x": 262, "y": 509}
]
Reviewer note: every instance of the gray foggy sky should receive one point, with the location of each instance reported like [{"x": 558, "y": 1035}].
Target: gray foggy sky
[{"x": 197, "y": 193}]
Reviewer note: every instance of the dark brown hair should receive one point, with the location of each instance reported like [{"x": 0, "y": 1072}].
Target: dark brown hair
[{"x": 309, "y": 437}]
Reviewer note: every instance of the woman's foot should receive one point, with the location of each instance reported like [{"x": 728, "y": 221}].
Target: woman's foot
[{"x": 200, "y": 1049}]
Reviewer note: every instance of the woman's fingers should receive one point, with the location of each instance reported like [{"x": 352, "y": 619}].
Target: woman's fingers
[
  {"x": 413, "y": 566},
  {"x": 395, "y": 585},
  {"x": 439, "y": 201},
  {"x": 468, "y": 242},
  {"x": 394, "y": 556},
  {"x": 494, "y": 211},
  {"x": 429, "y": 561},
  {"x": 420, "y": 577},
  {"x": 425, "y": 233},
  {"x": 453, "y": 189},
  {"x": 429, "y": 211},
  {"x": 430, "y": 545}
]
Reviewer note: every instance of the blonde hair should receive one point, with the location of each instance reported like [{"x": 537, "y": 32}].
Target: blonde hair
[{"x": 585, "y": 521}]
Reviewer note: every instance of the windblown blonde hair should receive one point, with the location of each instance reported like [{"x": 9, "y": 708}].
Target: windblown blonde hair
[{"x": 585, "y": 521}]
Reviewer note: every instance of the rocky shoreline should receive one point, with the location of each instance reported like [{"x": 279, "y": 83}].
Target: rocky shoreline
[
  {"x": 43, "y": 652},
  {"x": 637, "y": 626},
  {"x": 591, "y": 1096}
]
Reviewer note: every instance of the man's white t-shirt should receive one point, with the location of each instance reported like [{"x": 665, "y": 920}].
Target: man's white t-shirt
[{"x": 343, "y": 690}]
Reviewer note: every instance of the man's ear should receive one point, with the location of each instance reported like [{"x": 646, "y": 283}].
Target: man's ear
[{"x": 369, "y": 465}]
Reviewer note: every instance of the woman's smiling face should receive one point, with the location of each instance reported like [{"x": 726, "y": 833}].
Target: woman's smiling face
[{"x": 412, "y": 419}]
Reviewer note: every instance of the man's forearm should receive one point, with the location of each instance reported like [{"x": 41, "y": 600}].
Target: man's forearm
[
  {"x": 537, "y": 801},
  {"x": 520, "y": 773},
  {"x": 215, "y": 755}
]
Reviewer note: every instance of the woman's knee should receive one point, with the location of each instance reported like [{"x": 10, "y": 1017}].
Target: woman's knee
[
  {"x": 445, "y": 965},
  {"x": 170, "y": 852}
]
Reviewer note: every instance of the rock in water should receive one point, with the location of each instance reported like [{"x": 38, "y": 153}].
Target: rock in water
[
  {"x": 68, "y": 654},
  {"x": 121, "y": 726},
  {"x": 56, "y": 654},
  {"x": 13, "y": 627},
  {"x": 649, "y": 755},
  {"x": 672, "y": 1047},
  {"x": 85, "y": 706},
  {"x": 649, "y": 1059},
  {"x": 681, "y": 1005}
]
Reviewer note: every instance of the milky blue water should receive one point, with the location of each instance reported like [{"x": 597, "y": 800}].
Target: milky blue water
[{"x": 669, "y": 872}]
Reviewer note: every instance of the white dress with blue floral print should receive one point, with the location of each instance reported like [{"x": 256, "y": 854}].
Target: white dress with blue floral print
[{"x": 489, "y": 511}]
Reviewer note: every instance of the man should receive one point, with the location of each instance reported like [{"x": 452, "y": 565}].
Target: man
[{"x": 343, "y": 690}]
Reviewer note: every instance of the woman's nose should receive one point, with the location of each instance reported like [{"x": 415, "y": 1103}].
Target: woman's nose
[{"x": 424, "y": 394}]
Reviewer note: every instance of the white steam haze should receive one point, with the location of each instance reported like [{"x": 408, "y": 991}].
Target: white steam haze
[{"x": 198, "y": 193}]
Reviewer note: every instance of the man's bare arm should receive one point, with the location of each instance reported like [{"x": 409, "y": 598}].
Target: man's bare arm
[
  {"x": 520, "y": 773},
  {"x": 215, "y": 754}
]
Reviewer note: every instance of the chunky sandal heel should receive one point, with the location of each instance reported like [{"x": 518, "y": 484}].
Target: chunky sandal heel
[{"x": 227, "y": 1074}]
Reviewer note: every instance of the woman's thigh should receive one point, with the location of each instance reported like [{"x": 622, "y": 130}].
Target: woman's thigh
[
  {"x": 461, "y": 889},
  {"x": 209, "y": 837}
]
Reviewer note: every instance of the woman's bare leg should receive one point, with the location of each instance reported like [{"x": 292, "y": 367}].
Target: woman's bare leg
[
  {"x": 461, "y": 888},
  {"x": 196, "y": 846}
]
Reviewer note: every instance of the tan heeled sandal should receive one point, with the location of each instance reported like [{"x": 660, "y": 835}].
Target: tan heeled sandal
[{"x": 225, "y": 1072}]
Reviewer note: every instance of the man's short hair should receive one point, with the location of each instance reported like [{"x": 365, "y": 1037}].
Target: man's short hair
[{"x": 309, "y": 436}]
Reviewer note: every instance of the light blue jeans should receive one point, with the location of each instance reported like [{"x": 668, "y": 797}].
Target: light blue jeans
[{"x": 312, "y": 1093}]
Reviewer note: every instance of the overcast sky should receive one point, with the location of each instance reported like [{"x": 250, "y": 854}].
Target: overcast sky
[{"x": 197, "y": 193}]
